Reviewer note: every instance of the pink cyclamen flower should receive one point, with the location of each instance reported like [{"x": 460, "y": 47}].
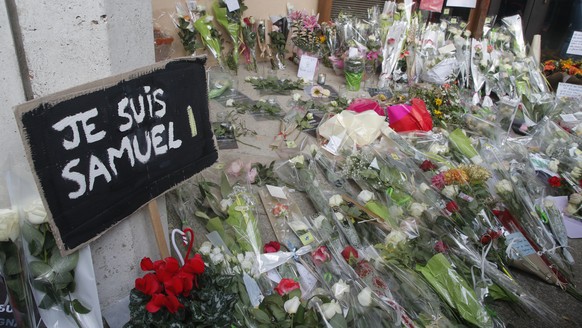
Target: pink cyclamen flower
[
  {"x": 372, "y": 55},
  {"x": 310, "y": 22}
]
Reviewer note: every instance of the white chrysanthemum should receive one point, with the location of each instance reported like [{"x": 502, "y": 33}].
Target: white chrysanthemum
[
  {"x": 503, "y": 187},
  {"x": 553, "y": 165},
  {"x": 395, "y": 237}
]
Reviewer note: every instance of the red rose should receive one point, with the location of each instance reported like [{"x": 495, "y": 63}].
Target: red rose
[
  {"x": 156, "y": 303},
  {"x": 580, "y": 182},
  {"x": 441, "y": 247},
  {"x": 348, "y": 252},
  {"x": 490, "y": 236},
  {"x": 147, "y": 264},
  {"x": 148, "y": 285},
  {"x": 486, "y": 239},
  {"x": 555, "y": 182},
  {"x": 286, "y": 286},
  {"x": 321, "y": 255},
  {"x": 452, "y": 207},
  {"x": 173, "y": 304},
  {"x": 428, "y": 166},
  {"x": 194, "y": 265},
  {"x": 271, "y": 247}
]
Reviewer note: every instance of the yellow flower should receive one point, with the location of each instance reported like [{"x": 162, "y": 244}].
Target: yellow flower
[
  {"x": 456, "y": 176},
  {"x": 438, "y": 101},
  {"x": 437, "y": 113},
  {"x": 322, "y": 39}
]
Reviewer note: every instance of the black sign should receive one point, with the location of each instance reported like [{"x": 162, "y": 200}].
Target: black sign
[{"x": 103, "y": 150}]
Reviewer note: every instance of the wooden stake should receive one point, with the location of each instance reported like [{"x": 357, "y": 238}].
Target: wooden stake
[{"x": 158, "y": 228}]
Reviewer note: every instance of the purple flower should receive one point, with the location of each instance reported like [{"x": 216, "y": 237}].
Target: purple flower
[
  {"x": 372, "y": 55},
  {"x": 310, "y": 22},
  {"x": 438, "y": 181}
]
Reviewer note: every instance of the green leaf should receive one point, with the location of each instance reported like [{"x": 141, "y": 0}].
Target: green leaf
[
  {"x": 295, "y": 292},
  {"x": 12, "y": 266},
  {"x": 39, "y": 268},
  {"x": 62, "y": 264},
  {"x": 33, "y": 237},
  {"x": 202, "y": 215},
  {"x": 338, "y": 321},
  {"x": 261, "y": 316},
  {"x": 63, "y": 279},
  {"x": 277, "y": 312},
  {"x": 79, "y": 308}
]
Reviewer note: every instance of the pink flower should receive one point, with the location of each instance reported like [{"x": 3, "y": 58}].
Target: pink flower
[
  {"x": 252, "y": 175},
  {"x": 297, "y": 15},
  {"x": 271, "y": 247},
  {"x": 440, "y": 247},
  {"x": 372, "y": 55},
  {"x": 234, "y": 168},
  {"x": 310, "y": 22},
  {"x": 391, "y": 41},
  {"x": 438, "y": 181}
]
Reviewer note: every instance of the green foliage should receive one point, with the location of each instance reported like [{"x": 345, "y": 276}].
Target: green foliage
[
  {"x": 263, "y": 107},
  {"x": 275, "y": 85},
  {"x": 265, "y": 174}
]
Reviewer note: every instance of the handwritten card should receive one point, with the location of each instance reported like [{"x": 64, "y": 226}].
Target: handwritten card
[
  {"x": 307, "y": 67},
  {"x": 568, "y": 90},
  {"x": 575, "y": 47},
  {"x": 276, "y": 192},
  {"x": 232, "y": 5}
]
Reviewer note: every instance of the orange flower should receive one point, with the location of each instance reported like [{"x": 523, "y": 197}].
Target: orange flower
[
  {"x": 549, "y": 66},
  {"x": 456, "y": 176}
]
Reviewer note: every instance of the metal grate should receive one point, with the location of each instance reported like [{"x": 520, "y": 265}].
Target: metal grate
[{"x": 358, "y": 8}]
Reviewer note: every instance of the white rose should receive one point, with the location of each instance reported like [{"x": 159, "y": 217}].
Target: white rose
[
  {"x": 339, "y": 216},
  {"x": 575, "y": 199},
  {"x": 400, "y": 6},
  {"x": 416, "y": 209},
  {"x": 297, "y": 225},
  {"x": 248, "y": 79},
  {"x": 450, "y": 191},
  {"x": 553, "y": 165},
  {"x": 330, "y": 309},
  {"x": 200, "y": 8},
  {"x": 576, "y": 173},
  {"x": 339, "y": 289},
  {"x": 209, "y": 19},
  {"x": 230, "y": 103},
  {"x": 318, "y": 221},
  {"x": 504, "y": 186},
  {"x": 9, "y": 227},
  {"x": 298, "y": 160},
  {"x": 365, "y": 297},
  {"x": 35, "y": 213},
  {"x": 296, "y": 96},
  {"x": 365, "y": 196},
  {"x": 395, "y": 237},
  {"x": 395, "y": 211},
  {"x": 262, "y": 100},
  {"x": 205, "y": 248},
  {"x": 309, "y": 116},
  {"x": 292, "y": 305},
  {"x": 372, "y": 37},
  {"x": 225, "y": 204},
  {"x": 335, "y": 200}
]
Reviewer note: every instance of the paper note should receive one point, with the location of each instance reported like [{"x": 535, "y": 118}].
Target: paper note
[
  {"x": 232, "y": 5},
  {"x": 447, "y": 49},
  {"x": 568, "y": 90},
  {"x": 568, "y": 118},
  {"x": 333, "y": 145},
  {"x": 307, "y": 67},
  {"x": 462, "y": 3},
  {"x": 276, "y": 192},
  {"x": 517, "y": 242},
  {"x": 374, "y": 164},
  {"x": 575, "y": 47}
]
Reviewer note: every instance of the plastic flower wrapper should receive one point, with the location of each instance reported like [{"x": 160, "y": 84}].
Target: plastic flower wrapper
[
  {"x": 184, "y": 20},
  {"x": 278, "y": 42},
  {"x": 249, "y": 47},
  {"x": 230, "y": 20},
  {"x": 480, "y": 58},
  {"x": 439, "y": 272},
  {"x": 391, "y": 51},
  {"x": 463, "y": 145},
  {"x": 210, "y": 37},
  {"x": 514, "y": 25},
  {"x": 552, "y": 216},
  {"x": 306, "y": 32},
  {"x": 353, "y": 71},
  {"x": 482, "y": 122}
]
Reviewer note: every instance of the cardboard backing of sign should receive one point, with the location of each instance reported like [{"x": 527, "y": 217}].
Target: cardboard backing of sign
[{"x": 101, "y": 151}]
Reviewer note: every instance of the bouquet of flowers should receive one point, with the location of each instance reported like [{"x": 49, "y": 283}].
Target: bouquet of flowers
[
  {"x": 307, "y": 35},
  {"x": 210, "y": 37},
  {"x": 231, "y": 22},
  {"x": 184, "y": 21},
  {"x": 278, "y": 36},
  {"x": 250, "y": 43}
]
